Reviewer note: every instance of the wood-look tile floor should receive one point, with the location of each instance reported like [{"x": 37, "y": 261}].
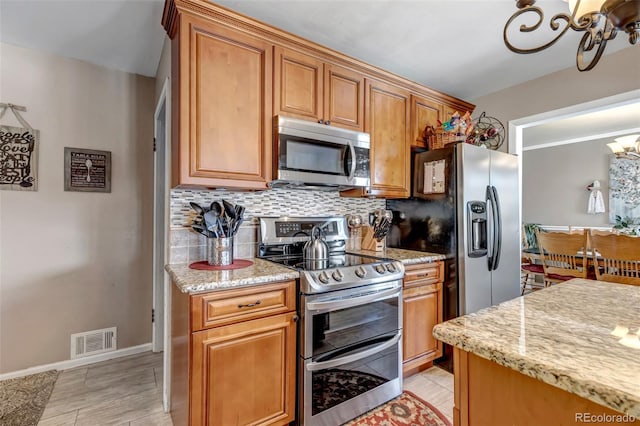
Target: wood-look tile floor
[
  {"x": 123, "y": 391},
  {"x": 128, "y": 391},
  {"x": 435, "y": 386}
]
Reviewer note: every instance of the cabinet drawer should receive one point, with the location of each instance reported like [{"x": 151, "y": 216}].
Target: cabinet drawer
[
  {"x": 227, "y": 306},
  {"x": 423, "y": 273}
]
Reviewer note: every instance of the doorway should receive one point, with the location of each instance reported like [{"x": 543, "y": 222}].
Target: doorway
[
  {"x": 517, "y": 127},
  {"x": 160, "y": 338}
]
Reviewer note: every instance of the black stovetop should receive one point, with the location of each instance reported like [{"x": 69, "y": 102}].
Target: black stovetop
[{"x": 335, "y": 261}]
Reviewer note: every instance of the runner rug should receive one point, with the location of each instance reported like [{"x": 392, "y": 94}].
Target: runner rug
[{"x": 22, "y": 400}]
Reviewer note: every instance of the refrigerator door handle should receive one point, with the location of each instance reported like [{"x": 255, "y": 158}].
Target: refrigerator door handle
[
  {"x": 497, "y": 243},
  {"x": 491, "y": 244}
]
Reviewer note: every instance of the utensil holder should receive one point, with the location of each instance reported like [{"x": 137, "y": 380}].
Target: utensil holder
[
  {"x": 369, "y": 242},
  {"x": 220, "y": 251}
]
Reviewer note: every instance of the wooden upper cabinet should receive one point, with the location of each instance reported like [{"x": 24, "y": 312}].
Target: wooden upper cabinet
[
  {"x": 306, "y": 87},
  {"x": 224, "y": 108},
  {"x": 387, "y": 122},
  {"x": 298, "y": 84},
  {"x": 343, "y": 97},
  {"x": 424, "y": 112}
]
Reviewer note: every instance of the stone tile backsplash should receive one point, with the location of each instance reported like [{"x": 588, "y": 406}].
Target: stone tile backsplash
[{"x": 188, "y": 246}]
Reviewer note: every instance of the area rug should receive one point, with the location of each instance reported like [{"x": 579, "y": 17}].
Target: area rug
[
  {"x": 405, "y": 410},
  {"x": 22, "y": 400}
]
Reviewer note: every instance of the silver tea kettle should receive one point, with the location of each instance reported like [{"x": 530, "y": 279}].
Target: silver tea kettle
[{"x": 316, "y": 248}]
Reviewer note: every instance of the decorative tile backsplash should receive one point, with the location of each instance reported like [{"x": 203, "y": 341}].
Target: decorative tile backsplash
[
  {"x": 274, "y": 202},
  {"x": 188, "y": 246}
]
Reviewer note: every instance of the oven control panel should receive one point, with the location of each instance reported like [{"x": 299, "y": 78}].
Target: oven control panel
[
  {"x": 294, "y": 229},
  {"x": 319, "y": 281}
]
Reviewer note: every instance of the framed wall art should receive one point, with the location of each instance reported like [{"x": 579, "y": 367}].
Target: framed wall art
[
  {"x": 87, "y": 170},
  {"x": 624, "y": 189},
  {"x": 18, "y": 153}
]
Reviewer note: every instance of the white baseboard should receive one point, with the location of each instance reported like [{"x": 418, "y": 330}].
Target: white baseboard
[{"x": 78, "y": 362}]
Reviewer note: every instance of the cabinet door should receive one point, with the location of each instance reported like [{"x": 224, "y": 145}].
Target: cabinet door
[
  {"x": 424, "y": 112},
  {"x": 225, "y": 86},
  {"x": 344, "y": 97},
  {"x": 298, "y": 85},
  {"x": 387, "y": 120},
  {"x": 422, "y": 310},
  {"x": 245, "y": 373}
]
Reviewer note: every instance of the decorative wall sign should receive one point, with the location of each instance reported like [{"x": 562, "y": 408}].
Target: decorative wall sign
[
  {"x": 18, "y": 153},
  {"x": 87, "y": 170},
  {"x": 624, "y": 189}
]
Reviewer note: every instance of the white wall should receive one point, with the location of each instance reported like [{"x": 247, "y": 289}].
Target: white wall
[
  {"x": 554, "y": 182},
  {"x": 615, "y": 73},
  {"x": 72, "y": 261},
  {"x": 164, "y": 68}
]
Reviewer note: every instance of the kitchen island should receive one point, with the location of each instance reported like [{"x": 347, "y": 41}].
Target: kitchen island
[{"x": 557, "y": 356}]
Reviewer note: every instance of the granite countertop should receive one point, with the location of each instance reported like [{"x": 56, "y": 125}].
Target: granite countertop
[
  {"x": 562, "y": 336},
  {"x": 195, "y": 281},
  {"x": 407, "y": 257},
  {"x": 262, "y": 271}
]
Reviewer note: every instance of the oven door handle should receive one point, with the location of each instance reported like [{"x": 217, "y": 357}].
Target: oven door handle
[
  {"x": 315, "y": 366},
  {"x": 353, "y": 301}
]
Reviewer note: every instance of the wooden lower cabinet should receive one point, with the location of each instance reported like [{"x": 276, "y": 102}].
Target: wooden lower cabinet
[
  {"x": 241, "y": 372},
  {"x": 486, "y": 393},
  {"x": 421, "y": 310},
  {"x": 244, "y": 374}
]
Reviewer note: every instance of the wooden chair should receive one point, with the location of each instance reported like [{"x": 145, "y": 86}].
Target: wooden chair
[
  {"x": 531, "y": 271},
  {"x": 618, "y": 257},
  {"x": 563, "y": 255}
]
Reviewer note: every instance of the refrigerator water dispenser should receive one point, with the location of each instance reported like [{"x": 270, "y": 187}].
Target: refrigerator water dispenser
[{"x": 477, "y": 228}]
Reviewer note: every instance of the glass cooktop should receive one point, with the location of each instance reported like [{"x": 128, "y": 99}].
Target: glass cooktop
[{"x": 334, "y": 261}]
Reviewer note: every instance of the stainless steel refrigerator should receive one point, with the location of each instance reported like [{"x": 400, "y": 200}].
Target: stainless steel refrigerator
[{"x": 465, "y": 205}]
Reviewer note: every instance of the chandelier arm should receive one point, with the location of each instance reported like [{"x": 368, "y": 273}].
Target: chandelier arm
[
  {"x": 588, "y": 42},
  {"x": 525, "y": 29}
]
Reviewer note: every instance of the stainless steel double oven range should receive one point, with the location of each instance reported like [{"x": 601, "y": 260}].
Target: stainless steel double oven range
[{"x": 350, "y": 329}]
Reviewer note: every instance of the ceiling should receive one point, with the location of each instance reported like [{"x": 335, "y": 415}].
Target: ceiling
[{"x": 453, "y": 46}]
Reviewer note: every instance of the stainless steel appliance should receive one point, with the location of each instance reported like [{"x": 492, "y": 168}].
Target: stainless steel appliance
[
  {"x": 317, "y": 156},
  {"x": 350, "y": 329},
  {"x": 465, "y": 205}
]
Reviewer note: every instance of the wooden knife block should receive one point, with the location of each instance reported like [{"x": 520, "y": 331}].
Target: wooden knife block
[{"x": 369, "y": 242}]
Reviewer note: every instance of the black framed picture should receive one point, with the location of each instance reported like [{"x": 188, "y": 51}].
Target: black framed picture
[{"x": 87, "y": 170}]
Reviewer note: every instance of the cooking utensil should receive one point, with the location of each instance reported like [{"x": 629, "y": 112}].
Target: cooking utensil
[
  {"x": 230, "y": 213},
  {"x": 211, "y": 221},
  {"x": 239, "y": 218},
  {"x": 197, "y": 208}
]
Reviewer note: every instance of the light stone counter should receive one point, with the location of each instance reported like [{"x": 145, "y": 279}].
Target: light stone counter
[
  {"x": 196, "y": 281},
  {"x": 407, "y": 257},
  {"x": 562, "y": 336}
]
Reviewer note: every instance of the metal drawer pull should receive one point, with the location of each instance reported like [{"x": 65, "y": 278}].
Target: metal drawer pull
[{"x": 249, "y": 305}]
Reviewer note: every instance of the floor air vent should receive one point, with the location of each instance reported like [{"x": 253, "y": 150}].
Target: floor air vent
[{"x": 93, "y": 342}]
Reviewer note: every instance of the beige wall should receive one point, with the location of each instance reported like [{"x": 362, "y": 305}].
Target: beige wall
[
  {"x": 554, "y": 182},
  {"x": 71, "y": 261},
  {"x": 616, "y": 73}
]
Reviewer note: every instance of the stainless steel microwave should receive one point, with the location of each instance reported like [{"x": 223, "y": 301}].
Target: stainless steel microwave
[{"x": 317, "y": 156}]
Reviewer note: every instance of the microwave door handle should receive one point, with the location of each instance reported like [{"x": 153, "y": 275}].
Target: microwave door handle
[
  {"x": 315, "y": 366},
  {"x": 354, "y": 301},
  {"x": 352, "y": 149}
]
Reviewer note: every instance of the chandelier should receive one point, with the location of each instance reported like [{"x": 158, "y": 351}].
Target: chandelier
[
  {"x": 626, "y": 147},
  {"x": 600, "y": 20}
]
